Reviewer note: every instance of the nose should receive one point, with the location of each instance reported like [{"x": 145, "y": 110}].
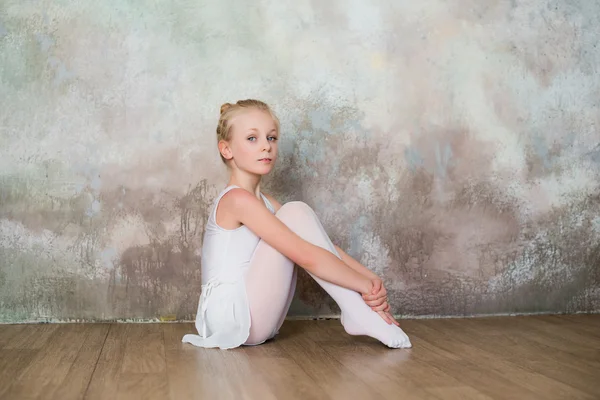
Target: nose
[{"x": 266, "y": 144}]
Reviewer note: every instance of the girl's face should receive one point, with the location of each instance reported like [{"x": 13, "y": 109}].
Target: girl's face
[{"x": 253, "y": 143}]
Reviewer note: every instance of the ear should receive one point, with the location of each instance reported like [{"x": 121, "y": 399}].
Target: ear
[{"x": 225, "y": 150}]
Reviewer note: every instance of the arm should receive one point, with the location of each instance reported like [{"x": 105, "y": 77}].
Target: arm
[
  {"x": 352, "y": 263},
  {"x": 355, "y": 265},
  {"x": 251, "y": 212}
]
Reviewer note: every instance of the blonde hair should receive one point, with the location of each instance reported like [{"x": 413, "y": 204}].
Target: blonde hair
[{"x": 229, "y": 111}]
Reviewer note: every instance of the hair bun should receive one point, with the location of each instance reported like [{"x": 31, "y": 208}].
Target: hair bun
[{"x": 225, "y": 107}]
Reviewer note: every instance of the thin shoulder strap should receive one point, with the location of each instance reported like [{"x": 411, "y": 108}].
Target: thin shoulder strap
[
  {"x": 268, "y": 203},
  {"x": 228, "y": 188}
]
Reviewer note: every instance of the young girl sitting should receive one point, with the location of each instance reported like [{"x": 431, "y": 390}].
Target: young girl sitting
[{"x": 252, "y": 243}]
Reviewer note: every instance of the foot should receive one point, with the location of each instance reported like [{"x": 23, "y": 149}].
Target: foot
[{"x": 374, "y": 326}]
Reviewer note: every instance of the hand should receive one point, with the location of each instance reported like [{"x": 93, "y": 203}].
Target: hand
[
  {"x": 377, "y": 299},
  {"x": 378, "y": 302}
]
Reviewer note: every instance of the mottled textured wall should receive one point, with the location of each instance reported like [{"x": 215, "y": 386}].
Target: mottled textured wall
[{"x": 451, "y": 146}]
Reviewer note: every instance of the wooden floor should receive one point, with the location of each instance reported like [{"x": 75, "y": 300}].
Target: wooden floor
[{"x": 549, "y": 357}]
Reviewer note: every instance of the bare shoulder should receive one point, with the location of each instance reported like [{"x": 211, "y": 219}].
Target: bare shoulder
[
  {"x": 273, "y": 201},
  {"x": 236, "y": 199}
]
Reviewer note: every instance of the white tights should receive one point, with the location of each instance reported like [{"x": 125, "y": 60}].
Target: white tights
[{"x": 271, "y": 283}]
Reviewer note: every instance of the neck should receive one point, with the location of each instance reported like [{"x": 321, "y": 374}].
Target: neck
[{"x": 250, "y": 183}]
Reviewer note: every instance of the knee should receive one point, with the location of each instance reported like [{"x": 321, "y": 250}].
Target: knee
[{"x": 295, "y": 208}]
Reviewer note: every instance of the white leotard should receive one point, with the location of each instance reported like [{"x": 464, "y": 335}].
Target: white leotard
[{"x": 223, "y": 316}]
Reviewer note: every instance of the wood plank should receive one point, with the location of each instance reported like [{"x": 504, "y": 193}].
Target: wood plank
[
  {"x": 589, "y": 320},
  {"x": 481, "y": 351},
  {"x": 209, "y": 373},
  {"x": 50, "y": 366},
  {"x": 7, "y": 332},
  {"x": 560, "y": 355},
  {"x": 458, "y": 393},
  {"x": 12, "y": 364},
  {"x": 144, "y": 351},
  {"x": 77, "y": 379},
  {"x": 584, "y": 339},
  {"x": 581, "y": 323},
  {"x": 466, "y": 368},
  {"x": 279, "y": 370},
  {"x": 519, "y": 340},
  {"x": 104, "y": 382},
  {"x": 143, "y": 386},
  {"x": 378, "y": 369},
  {"x": 488, "y": 382},
  {"x": 586, "y": 381},
  {"x": 143, "y": 373},
  {"x": 335, "y": 379},
  {"x": 285, "y": 378},
  {"x": 32, "y": 336}
]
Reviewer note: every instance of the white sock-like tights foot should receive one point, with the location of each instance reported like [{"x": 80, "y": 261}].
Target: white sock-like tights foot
[
  {"x": 390, "y": 335},
  {"x": 359, "y": 319}
]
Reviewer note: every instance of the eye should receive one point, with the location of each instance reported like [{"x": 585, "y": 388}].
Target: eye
[
  {"x": 274, "y": 138},
  {"x": 251, "y": 137}
]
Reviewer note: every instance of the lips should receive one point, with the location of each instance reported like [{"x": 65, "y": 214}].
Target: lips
[{"x": 265, "y": 159}]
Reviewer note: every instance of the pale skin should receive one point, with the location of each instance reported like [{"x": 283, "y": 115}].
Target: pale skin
[{"x": 254, "y": 136}]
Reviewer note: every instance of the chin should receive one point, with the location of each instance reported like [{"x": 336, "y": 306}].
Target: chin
[
  {"x": 266, "y": 169},
  {"x": 259, "y": 171}
]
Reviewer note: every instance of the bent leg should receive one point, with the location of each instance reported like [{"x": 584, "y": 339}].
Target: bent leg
[{"x": 357, "y": 317}]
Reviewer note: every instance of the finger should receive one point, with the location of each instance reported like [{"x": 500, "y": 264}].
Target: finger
[
  {"x": 376, "y": 286},
  {"x": 375, "y": 303},
  {"x": 393, "y": 319},
  {"x": 387, "y": 310},
  {"x": 380, "y": 294},
  {"x": 385, "y": 317},
  {"x": 381, "y": 307}
]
